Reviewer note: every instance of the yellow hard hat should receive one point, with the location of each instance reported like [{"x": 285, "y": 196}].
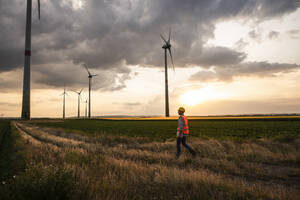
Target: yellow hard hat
[{"x": 181, "y": 109}]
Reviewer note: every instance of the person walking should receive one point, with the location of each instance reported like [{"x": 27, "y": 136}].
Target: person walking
[{"x": 182, "y": 133}]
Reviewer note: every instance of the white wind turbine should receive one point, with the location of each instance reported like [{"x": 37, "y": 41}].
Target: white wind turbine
[
  {"x": 79, "y": 93},
  {"x": 167, "y": 46},
  {"x": 90, "y": 76},
  {"x": 26, "y": 80}
]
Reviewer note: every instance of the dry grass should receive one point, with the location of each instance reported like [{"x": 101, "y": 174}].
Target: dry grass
[{"x": 107, "y": 167}]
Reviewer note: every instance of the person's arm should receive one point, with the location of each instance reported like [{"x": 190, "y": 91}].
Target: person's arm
[{"x": 180, "y": 124}]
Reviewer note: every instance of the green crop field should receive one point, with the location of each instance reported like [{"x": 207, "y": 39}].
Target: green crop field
[{"x": 161, "y": 130}]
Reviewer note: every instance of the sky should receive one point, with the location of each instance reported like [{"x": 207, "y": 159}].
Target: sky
[{"x": 230, "y": 56}]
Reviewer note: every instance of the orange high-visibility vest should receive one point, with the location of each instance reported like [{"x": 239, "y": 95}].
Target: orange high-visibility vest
[{"x": 185, "y": 128}]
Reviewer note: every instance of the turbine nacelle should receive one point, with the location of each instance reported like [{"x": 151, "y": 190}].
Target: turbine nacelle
[
  {"x": 79, "y": 93},
  {"x": 88, "y": 71},
  {"x": 91, "y": 75},
  {"x": 167, "y": 46}
]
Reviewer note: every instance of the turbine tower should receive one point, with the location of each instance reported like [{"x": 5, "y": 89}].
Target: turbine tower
[
  {"x": 64, "y": 102},
  {"x": 166, "y": 47},
  {"x": 90, "y": 76},
  {"x": 26, "y": 80},
  {"x": 79, "y": 93},
  {"x": 86, "y": 103}
]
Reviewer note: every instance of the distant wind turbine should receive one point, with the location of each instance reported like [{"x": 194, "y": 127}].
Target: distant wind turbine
[
  {"x": 86, "y": 103},
  {"x": 79, "y": 93},
  {"x": 64, "y": 102},
  {"x": 26, "y": 80},
  {"x": 167, "y": 46},
  {"x": 90, "y": 76}
]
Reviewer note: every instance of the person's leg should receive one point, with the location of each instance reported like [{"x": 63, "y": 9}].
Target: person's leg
[
  {"x": 178, "y": 146},
  {"x": 187, "y": 146}
]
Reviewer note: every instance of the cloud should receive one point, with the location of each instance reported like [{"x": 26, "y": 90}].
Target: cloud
[
  {"x": 108, "y": 35},
  {"x": 132, "y": 104},
  {"x": 294, "y": 33},
  {"x": 8, "y": 104},
  {"x": 240, "y": 44},
  {"x": 246, "y": 69},
  {"x": 11, "y": 80},
  {"x": 73, "y": 76},
  {"x": 219, "y": 56},
  {"x": 273, "y": 35},
  {"x": 255, "y": 35},
  {"x": 205, "y": 76}
]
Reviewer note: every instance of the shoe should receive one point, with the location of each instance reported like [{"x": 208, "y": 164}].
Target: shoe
[{"x": 177, "y": 156}]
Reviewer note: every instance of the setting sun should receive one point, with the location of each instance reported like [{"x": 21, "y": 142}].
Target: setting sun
[{"x": 207, "y": 93}]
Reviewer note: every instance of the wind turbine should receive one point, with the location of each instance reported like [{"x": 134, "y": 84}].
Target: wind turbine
[
  {"x": 64, "y": 102},
  {"x": 86, "y": 102},
  {"x": 90, "y": 76},
  {"x": 166, "y": 47},
  {"x": 26, "y": 80},
  {"x": 79, "y": 93}
]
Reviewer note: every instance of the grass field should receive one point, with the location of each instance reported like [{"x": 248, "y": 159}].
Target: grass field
[
  {"x": 4, "y": 126},
  {"x": 130, "y": 159},
  {"x": 162, "y": 130},
  {"x": 12, "y": 159},
  {"x": 205, "y": 117}
]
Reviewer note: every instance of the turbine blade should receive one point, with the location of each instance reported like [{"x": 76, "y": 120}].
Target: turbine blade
[
  {"x": 80, "y": 91},
  {"x": 171, "y": 58},
  {"x": 39, "y": 7},
  {"x": 87, "y": 69},
  {"x": 169, "y": 36},
  {"x": 75, "y": 91},
  {"x": 162, "y": 37}
]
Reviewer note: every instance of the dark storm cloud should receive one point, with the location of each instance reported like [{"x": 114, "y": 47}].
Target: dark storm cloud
[
  {"x": 220, "y": 56},
  {"x": 254, "y": 69},
  {"x": 77, "y": 77},
  {"x": 108, "y": 35}
]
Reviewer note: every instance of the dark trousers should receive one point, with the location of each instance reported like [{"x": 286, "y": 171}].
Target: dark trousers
[{"x": 183, "y": 141}]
